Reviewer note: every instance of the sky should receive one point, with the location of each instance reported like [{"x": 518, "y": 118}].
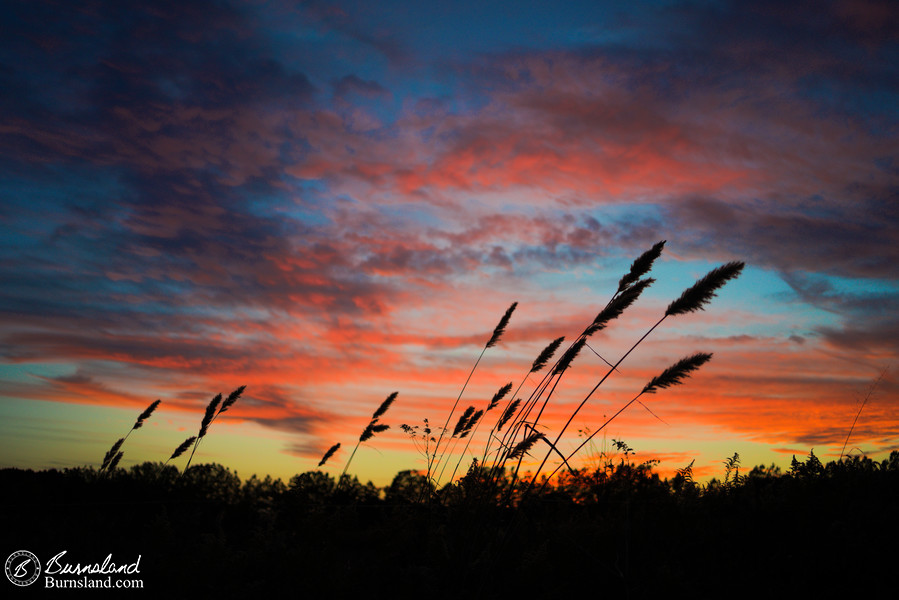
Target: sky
[{"x": 330, "y": 202}]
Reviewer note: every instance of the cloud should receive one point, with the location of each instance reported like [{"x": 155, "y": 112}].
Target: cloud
[
  {"x": 352, "y": 84},
  {"x": 868, "y": 325},
  {"x": 156, "y": 86},
  {"x": 209, "y": 188},
  {"x": 851, "y": 240}
]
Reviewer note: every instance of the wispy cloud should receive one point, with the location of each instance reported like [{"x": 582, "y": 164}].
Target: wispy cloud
[{"x": 321, "y": 199}]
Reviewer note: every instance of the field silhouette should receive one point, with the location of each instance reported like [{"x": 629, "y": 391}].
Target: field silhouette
[
  {"x": 491, "y": 529},
  {"x": 618, "y": 530}
]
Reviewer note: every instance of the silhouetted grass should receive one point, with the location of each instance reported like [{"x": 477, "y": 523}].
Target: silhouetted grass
[
  {"x": 617, "y": 528},
  {"x": 215, "y": 408},
  {"x": 114, "y": 454},
  {"x": 373, "y": 427}
]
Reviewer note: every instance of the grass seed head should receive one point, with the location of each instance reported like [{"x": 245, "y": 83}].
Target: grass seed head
[
  {"x": 111, "y": 454},
  {"x": 501, "y": 326},
  {"x": 146, "y": 414},
  {"x": 641, "y": 266},
  {"x": 115, "y": 461},
  {"x": 499, "y": 395},
  {"x": 618, "y": 305},
  {"x": 463, "y": 421},
  {"x": 701, "y": 293},
  {"x": 546, "y": 354},
  {"x": 231, "y": 399},
  {"x": 471, "y": 423},
  {"x": 676, "y": 373},
  {"x": 525, "y": 446},
  {"x": 210, "y": 414},
  {"x": 507, "y": 414},
  {"x": 385, "y": 405},
  {"x": 370, "y": 431},
  {"x": 183, "y": 447},
  {"x": 570, "y": 355},
  {"x": 329, "y": 454}
]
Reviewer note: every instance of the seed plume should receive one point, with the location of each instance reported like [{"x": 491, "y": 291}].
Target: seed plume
[
  {"x": 183, "y": 447},
  {"x": 618, "y": 305},
  {"x": 701, "y": 293},
  {"x": 507, "y": 414},
  {"x": 501, "y": 326},
  {"x": 570, "y": 355},
  {"x": 370, "y": 431},
  {"x": 676, "y": 373},
  {"x": 115, "y": 461},
  {"x": 146, "y": 415},
  {"x": 385, "y": 405},
  {"x": 499, "y": 395},
  {"x": 641, "y": 266},
  {"x": 546, "y": 354},
  {"x": 210, "y": 414},
  {"x": 463, "y": 421},
  {"x": 231, "y": 399},
  {"x": 111, "y": 454},
  {"x": 525, "y": 445},
  {"x": 329, "y": 454},
  {"x": 470, "y": 423}
]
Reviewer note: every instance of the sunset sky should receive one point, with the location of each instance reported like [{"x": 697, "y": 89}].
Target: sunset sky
[{"x": 329, "y": 202}]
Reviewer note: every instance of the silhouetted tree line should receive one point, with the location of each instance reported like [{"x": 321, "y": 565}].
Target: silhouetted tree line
[{"x": 618, "y": 528}]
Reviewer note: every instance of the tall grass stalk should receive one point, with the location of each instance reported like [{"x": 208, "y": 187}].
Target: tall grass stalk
[
  {"x": 114, "y": 454},
  {"x": 673, "y": 375},
  {"x": 369, "y": 432},
  {"x": 693, "y": 299},
  {"x": 867, "y": 397},
  {"x": 181, "y": 449},
  {"x": 630, "y": 286},
  {"x": 215, "y": 408},
  {"x": 433, "y": 460},
  {"x": 497, "y": 397},
  {"x": 629, "y": 290},
  {"x": 512, "y": 404},
  {"x": 328, "y": 454}
]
